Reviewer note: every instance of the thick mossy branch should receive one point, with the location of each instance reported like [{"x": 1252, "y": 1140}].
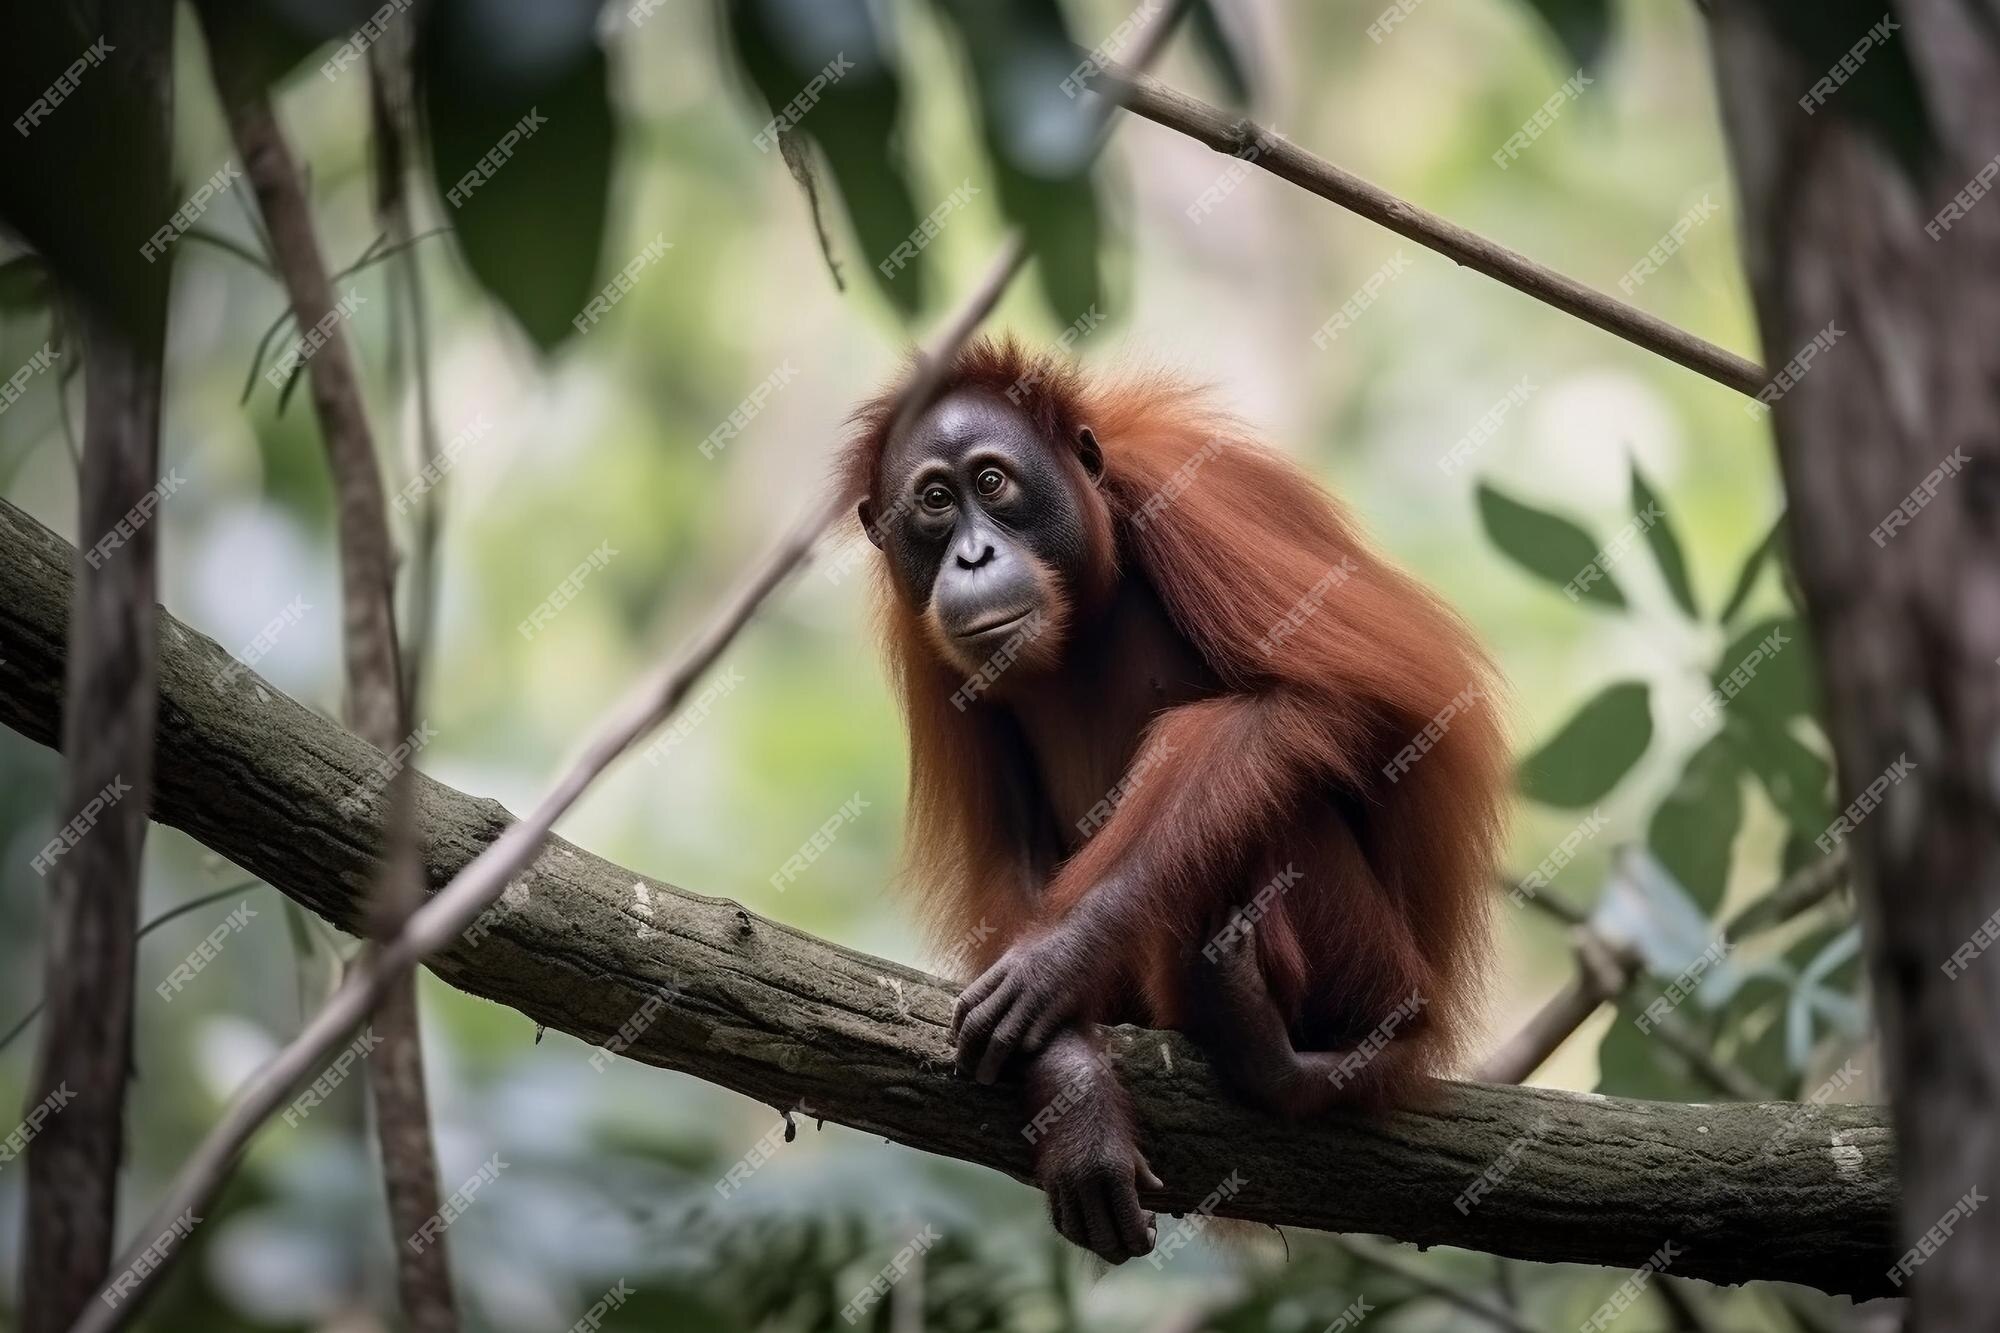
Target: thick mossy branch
[{"x": 1792, "y": 1193}]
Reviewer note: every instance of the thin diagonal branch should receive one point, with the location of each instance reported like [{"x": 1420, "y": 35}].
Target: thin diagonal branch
[
  {"x": 1742, "y": 1191},
  {"x": 1243, "y": 138}
]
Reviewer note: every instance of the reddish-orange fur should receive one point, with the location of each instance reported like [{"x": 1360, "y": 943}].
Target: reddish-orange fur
[{"x": 1393, "y": 895}]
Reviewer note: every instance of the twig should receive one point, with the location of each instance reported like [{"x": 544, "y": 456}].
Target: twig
[
  {"x": 1243, "y": 138},
  {"x": 445, "y": 916},
  {"x": 172, "y": 913},
  {"x": 1571, "y": 1007},
  {"x": 375, "y": 701},
  {"x": 440, "y": 921}
]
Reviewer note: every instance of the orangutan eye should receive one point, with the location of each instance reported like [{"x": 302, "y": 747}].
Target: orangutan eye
[
  {"x": 937, "y": 498},
  {"x": 990, "y": 481}
]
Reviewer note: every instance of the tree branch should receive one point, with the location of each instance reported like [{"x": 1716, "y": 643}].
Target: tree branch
[
  {"x": 94, "y": 862},
  {"x": 1245, "y": 139},
  {"x": 376, "y": 704},
  {"x": 1744, "y": 1191}
]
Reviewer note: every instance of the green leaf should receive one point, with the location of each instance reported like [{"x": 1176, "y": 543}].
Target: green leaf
[
  {"x": 1648, "y": 509},
  {"x": 1222, "y": 40},
  {"x": 1042, "y": 134},
  {"x": 1582, "y": 26},
  {"x": 1753, "y": 564},
  {"x": 24, "y": 285},
  {"x": 1798, "y": 781},
  {"x": 1631, "y": 1063},
  {"x": 1581, "y": 763},
  {"x": 1693, "y": 830},
  {"x": 826, "y": 68},
  {"x": 521, "y": 148},
  {"x": 1548, "y": 546},
  {"x": 1766, "y": 672}
]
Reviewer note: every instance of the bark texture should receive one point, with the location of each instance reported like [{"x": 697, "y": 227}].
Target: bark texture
[
  {"x": 1794, "y": 1193},
  {"x": 1892, "y": 466}
]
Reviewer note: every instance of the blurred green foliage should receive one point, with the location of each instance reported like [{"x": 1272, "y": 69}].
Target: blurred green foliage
[{"x": 581, "y": 437}]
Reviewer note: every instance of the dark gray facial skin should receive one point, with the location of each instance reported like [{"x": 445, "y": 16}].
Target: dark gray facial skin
[{"x": 980, "y": 518}]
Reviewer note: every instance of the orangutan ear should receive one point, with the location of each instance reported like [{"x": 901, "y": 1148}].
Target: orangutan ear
[
  {"x": 1092, "y": 453},
  {"x": 865, "y": 511}
]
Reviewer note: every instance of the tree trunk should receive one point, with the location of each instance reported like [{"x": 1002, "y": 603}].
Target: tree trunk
[{"x": 1892, "y": 467}]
